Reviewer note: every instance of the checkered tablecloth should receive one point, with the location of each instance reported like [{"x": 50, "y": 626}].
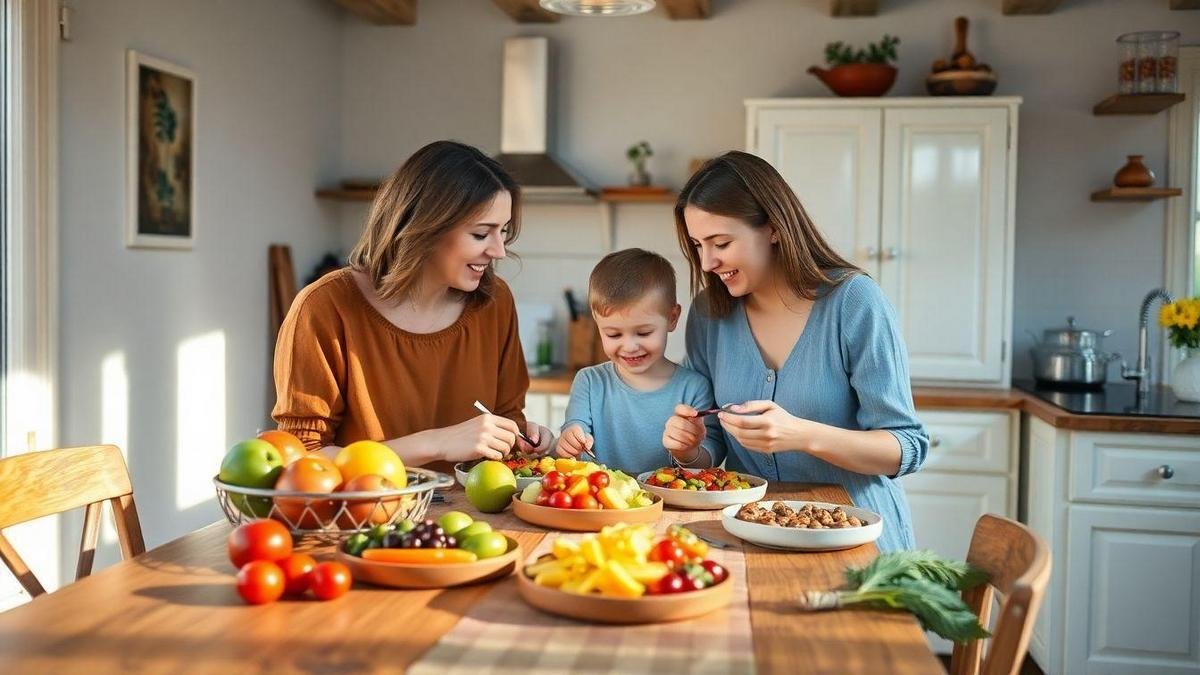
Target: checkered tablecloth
[{"x": 502, "y": 634}]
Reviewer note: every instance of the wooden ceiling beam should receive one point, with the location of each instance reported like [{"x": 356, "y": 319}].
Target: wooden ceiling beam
[
  {"x": 383, "y": 12},
  {"x": 1011, "y": 7},
  {"x": 688, "y": 9},
  {"x": 526, "y": 11},
  {"x": 1185, "y": 4},
  {"x": 853, "y": 7}
]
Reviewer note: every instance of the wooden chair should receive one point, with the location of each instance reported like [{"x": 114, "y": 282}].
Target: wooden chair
[
  {"x": 1018, "y": 563},
  {"x": 38, "y": 484}
]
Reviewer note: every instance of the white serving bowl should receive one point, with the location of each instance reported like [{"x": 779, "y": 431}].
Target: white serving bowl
[
  {"x": 703, "y": 500},
  {"x": 797, "y": 539}
]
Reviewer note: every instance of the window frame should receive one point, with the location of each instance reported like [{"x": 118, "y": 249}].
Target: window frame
[{"x": 1182, "y": 158}]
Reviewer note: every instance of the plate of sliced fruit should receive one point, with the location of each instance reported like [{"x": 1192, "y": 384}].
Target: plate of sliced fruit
[
  {"x": 802, "y": 526},
  {"x": 584, "y": 497},
  {"x": 452, "y": 551},
  {"x": 528, "y": 470},
  {"x": 626, "y": 575},
  {"x": 703, "y": 489}
]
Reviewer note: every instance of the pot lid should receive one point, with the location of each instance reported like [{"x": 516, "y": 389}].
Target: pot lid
[{"x": 1074, "y": 336}]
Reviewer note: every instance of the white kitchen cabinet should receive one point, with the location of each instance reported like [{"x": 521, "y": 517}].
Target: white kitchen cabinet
[
  {"x": 547, "y": 409},
  {"x": 919, "y": 192},
  {"x": 1124, "y": 594}
]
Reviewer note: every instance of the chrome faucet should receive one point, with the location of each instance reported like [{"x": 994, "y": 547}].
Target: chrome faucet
[{"x": 1141, "y": 372}]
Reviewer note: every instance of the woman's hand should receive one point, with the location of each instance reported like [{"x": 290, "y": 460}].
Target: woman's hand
[
  {"x": 763, "y": 426},
  {"x": 543, "y": 437},
  {"x": 683, "y": 433},
  {"x": 574, "y": 441},
  {"x": 486, "y": 436}
]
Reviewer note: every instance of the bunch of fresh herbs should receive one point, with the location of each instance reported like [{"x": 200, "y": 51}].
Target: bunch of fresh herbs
[
  {"x": 920, "y": 582},
  {"x": 840, "y": 54}
]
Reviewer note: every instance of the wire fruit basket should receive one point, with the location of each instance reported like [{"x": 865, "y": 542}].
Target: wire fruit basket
[{"x": 332, "y": 515}]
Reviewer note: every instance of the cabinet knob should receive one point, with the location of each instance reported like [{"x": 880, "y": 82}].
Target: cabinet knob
[
  {"x": 935, "y": 441},
  {"x": 872, "y": 253},
  {"x": 891, "y": 253},
  {"x": 1166, "y": 472}
]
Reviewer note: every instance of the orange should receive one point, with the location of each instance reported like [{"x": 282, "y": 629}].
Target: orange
[
  {"x": 288, "y": 445},
  {"x": 370, "y": 457}
]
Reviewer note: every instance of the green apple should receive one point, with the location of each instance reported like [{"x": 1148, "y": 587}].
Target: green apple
[
  {"x": 485, "y": 544},
  {"x": 477, "y": 527},
  {"x": 490, "y": 486},
  {"x": 453, "y": 521},
  {"x": 252, "y": 463}
]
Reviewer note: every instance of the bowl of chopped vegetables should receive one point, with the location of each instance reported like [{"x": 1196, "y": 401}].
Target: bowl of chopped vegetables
[
  {"x": 528, "y": 470},
  {"x": 703, "y": 489}
]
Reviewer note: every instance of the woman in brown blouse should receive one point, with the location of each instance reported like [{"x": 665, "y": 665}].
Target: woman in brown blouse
[{"x": 397, "y": 347}]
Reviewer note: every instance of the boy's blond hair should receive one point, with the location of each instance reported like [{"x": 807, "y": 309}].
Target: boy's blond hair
[{"x": 623, "y": 278}]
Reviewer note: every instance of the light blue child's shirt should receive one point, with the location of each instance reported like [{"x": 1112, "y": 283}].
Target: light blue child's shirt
[{"x": 627, "y": 424}]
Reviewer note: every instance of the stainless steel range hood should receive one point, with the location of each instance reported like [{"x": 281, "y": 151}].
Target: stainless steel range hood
[{"x": 524, "y": 122}]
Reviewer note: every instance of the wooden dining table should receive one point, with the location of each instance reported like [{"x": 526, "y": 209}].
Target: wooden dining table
[{"x": 174, "y": 608}]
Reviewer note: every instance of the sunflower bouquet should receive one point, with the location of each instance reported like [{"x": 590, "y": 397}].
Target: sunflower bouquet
[{"x": 1182, "y": 321}]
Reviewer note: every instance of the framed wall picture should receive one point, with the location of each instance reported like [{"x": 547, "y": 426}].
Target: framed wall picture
[{"x": 160, "y": 136}]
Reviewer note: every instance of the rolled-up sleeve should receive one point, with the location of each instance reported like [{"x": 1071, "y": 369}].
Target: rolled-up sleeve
[
  {"x": 310, "y": 372},
  {"x": 877, "y": 363}
]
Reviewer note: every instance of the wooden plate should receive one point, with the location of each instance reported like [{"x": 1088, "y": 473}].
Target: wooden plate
[
  {"x": 606, "y": 609},
  {"x": 703, "y": 500},
  {"x": 406, "y": 575},
  {"x": 589, "y": 520}
]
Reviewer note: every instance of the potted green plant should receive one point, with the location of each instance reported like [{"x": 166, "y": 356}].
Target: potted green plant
[
  {"x": 859, "y": 72},
  {"x": 638, "y": 153}
]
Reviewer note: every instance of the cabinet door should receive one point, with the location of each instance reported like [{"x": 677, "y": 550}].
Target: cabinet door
[
  {"x": 944, "y": 510},
  {"x": 943, "y": 237},
  {"x": 558, "y": 411},
  {"x": 1133, "y": 590},
  {"x": 830, "y": 158},
  {"x": 537, "y": 409}
]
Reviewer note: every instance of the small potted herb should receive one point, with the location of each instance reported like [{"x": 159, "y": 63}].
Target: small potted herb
[
  {"x": 638, "y": 153},
  {"x": 859, "y": 72}
]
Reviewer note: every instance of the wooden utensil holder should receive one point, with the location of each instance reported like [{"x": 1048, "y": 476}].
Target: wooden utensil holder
[{"x": 583, "y": 344}]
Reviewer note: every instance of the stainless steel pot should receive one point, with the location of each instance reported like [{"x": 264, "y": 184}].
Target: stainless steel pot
[{"x": 1071, "y": 356}]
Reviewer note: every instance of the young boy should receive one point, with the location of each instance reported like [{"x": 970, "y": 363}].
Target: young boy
[{"x": 618, "y": 408}]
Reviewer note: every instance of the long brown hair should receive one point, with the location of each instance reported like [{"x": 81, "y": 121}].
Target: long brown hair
[
  {"x": 440, "y": 187},
  {"x": 743, "y": 186}
]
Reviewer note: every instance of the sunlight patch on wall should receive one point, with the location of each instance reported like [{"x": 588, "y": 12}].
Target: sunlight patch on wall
[{"x": 199, "y": 417}]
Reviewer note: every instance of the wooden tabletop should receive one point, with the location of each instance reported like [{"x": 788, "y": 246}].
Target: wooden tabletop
[{"x": 175, "y": 608}]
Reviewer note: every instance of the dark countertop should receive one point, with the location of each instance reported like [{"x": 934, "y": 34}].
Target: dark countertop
[{"x": 1114, "y": 399}]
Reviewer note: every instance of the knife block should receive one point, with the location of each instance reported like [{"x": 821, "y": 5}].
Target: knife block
[{"x": 583, "y": 344}]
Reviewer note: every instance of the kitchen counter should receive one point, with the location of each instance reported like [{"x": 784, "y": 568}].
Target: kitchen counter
[{"x": 1112, "y": 409}]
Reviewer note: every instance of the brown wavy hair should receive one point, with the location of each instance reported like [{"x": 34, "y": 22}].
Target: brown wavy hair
[
  {"x": 743, "y": 186},
  {"x": 439, "y": 187}
]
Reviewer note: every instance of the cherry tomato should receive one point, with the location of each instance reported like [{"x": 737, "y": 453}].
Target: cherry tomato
[
  {"x": 330, "y": 580},
  {"x": 297, "y": 573},
  {"x": 260, "y": 539},
  {"x": 260, "y": 582},
  {"x": 692, "y": 583},
  {"x": 718, "y": 572},
  {"x": 672, "y": 583},
  {"x": 584, "y": 502},
  {"x": 543, "y": 498},
  {"x": 554, "y": 481},
  {"x": 560, "y": 500},
  {"x": 668, "y": 551},
  {"x": 598, "y": 479}
]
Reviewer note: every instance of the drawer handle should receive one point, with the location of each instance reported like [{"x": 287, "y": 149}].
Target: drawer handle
[
  {"x": 1166, "y": 472},
  {"x": 935, "y": 441}
]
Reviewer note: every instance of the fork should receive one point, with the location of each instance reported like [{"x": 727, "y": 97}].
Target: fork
[{"x": 727, "y": 408}]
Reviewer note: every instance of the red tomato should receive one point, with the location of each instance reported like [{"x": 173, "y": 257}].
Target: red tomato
[
  {"x": 560, "y": 500},
  {"x": 554, "y": 481},
  {"x": 313, "y": 473},
  {"x": 330, "y": 580},
  {"x": 669, "y": 552},
  {"x": 297, "y": 573},
  {"x": 692, "y": 583},
  {"x": 258, "y": 540},
  {"x": 543, "y": 498},
  {"x": 670, "y": 583},
  {"x": 718, "y": 572},
  {"x": 598, "y": 479},
  {"x": 584, "y": 502},
  {"x": 287, "y": 444},
  {"x": 260, "y": 582}
]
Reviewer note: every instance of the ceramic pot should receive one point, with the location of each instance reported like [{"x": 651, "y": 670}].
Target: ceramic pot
[
  {"x": 1134, "y": 174},
  {"x": 1185, "y": 379},
  {"x": 857, "y": 79}
]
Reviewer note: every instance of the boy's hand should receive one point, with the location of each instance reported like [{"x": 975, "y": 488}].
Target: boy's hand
[
  {"x": 574, "y": 441},
  {"x": 683, "y": 432}
]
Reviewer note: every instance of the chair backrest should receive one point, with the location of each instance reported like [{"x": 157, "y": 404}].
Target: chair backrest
[
  {"x": 38, "y": 484},
  {"x": 1018, "y": 564}
]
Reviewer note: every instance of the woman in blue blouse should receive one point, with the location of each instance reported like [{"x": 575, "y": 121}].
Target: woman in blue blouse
[{"x": 800, "y": 338}]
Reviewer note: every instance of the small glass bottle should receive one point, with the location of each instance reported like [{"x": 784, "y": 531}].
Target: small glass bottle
[{"x": 545, "y": 346}]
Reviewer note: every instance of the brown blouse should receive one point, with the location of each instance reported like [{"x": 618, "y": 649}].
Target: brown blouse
[{"x": 345, "y": 373}]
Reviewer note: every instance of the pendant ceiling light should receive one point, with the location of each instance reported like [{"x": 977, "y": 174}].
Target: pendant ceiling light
[{"x": 598, "y": 7}]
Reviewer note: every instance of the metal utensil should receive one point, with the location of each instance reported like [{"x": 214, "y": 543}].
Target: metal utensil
[
  {"x": 716, "y": 543},
  {"x": 725, "y": 408},
  {"x": 483, "y": 409}
]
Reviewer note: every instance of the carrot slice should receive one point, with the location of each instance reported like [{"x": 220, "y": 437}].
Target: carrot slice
[{"x": 419, "y": 555}]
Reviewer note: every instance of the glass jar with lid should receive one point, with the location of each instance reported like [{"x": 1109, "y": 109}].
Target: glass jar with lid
[{"x": 1149, "y": 62}]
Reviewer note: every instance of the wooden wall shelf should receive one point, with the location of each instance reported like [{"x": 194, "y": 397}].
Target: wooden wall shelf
[
  {"x": 526, "y": 11},
  {"x": 1136, "y": 104},
  {"x": 384, "y": 12},
  {"x": 1010, "y": 7},
  {"x": 688, "y": 9},
  {"x": 853, "y": 7},
  {"x": 1119, "y": 194}
]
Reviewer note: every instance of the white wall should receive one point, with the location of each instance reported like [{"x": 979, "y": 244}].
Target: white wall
[
  {"x": 680, "y": 85},
  {"x": 168, "y": 353}
]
